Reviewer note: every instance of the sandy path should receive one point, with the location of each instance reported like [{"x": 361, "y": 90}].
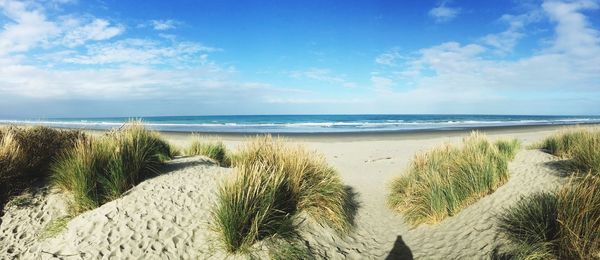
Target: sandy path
[
  {"x": 369, "y": 166},
  {"x": 166, "y": 217}
]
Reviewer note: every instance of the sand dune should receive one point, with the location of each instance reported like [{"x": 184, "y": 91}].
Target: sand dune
[{"x": 166, "y": 217}]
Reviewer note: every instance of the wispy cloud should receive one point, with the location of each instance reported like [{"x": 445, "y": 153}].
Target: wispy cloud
[
  {"x": 323, "y": 75},
  {"x": 89, "y": 58},
  {"x": 389, "y": 57},
  {"x": 48, "y": 55},
  {"x": 505, "y": 41},
  {"x": 309, "y": 101},
  {"x": 443, "y": 13},
  {"x": 568, "y": 63},
  {"x": 77, "y": 33},
  {"x": 141, "y": 51},
  {"x": 574, "y": 35},
  {"x": 28, "y": 28},
  {"x": 161, "y": 25}
]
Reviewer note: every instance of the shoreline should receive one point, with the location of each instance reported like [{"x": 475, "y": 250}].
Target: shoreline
[{"x": 357, "y": 136}]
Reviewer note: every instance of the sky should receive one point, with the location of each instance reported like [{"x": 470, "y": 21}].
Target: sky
[{"x": 95, "y": 58}]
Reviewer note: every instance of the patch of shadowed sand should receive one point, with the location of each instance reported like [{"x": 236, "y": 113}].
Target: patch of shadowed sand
[{"x": 168, "y": 217}]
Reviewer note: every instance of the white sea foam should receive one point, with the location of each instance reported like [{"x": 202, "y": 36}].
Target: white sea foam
[{"x": 305, "y": 126}]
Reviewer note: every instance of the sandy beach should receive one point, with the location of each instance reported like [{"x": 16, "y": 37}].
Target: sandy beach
[
  {"x": 166, "y": 217},
  {"x": 299, "y": 129}
]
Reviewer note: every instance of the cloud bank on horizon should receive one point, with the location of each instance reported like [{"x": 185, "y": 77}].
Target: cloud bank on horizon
[{"x": 61, "y": 58}]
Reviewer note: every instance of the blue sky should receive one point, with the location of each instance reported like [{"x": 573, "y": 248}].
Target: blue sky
[{"x": 65, "y": 58}]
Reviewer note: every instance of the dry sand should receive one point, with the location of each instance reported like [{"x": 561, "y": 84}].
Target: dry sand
[{"x": 166, "y": 217}]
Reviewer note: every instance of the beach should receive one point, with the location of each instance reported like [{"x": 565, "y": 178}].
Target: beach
[
  {"x": 167, "y": 216},
  {"x": 300, "y": 129}
]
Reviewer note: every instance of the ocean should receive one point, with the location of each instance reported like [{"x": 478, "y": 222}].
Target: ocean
[{"x": 312, "y": 123}]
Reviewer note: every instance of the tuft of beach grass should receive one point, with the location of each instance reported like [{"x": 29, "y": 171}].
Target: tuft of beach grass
[
  {"x": 26, "y": 154},
  {"x": 98, "y": 170},
  {"x": 272, "y": 183},
  {"x": 560, "y": 225},
  {"x": 320, "y": 189},
  {"x": 532, "y": 226},
  {"x": 210, "y": 147},
  {"x": 441, "y": 182},
  {"x": 257, "y": 203},
  {"x": 580, "y": 145}
]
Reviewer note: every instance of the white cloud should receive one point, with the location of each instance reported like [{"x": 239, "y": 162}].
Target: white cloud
[
  {"x": 141, "y": 51},
  {"x": 131, "y": 82},
  {"x": 109, "y": 69},
  {"x": 161, "y": 25},
  {"x": 389, "y": 57},
  {"x": 573, "y": 32},
  {"x": 27, "y": 28},
  {"x": 107, "y": 64},
  {"x": 504, "y": 42},
  {"x": 466, "y": 73},
  {"x": 313, "y": 100},
  {"x": 80, "y": 58},
  {"x": 323, "y": 75},
  {"x": 96, "y": 30},
  {"x": 443, "y": 13}
]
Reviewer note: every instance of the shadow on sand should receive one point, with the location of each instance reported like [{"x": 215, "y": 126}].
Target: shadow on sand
[
  {"x": 184, "y": 162},
  {"x": 351, "y": 204},
  {"x": 562, "y": 168},
  {"x": 400, "y": 251}
]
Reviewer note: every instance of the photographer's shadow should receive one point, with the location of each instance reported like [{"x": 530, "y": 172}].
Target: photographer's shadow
[{"x": 400, "y": 251}]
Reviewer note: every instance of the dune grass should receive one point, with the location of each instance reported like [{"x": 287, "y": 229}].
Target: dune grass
[
  {"x": 561, "y": 225},
  {"x": 563, "y": 142},
  {"x": 579, "y": 216},
  {"x": 508, "y": 148},
  {"x": 532, "y": 226},
  {"x": 586, "y": 154},
  {"x": 211, "y": 148},
  {"x": 580, "y": 145},
  {"x": 272, "y": 183},
  {"x": 319, "y": 188},
  {"x": 11, "y": 156},
  {"x": 26, "y": 154},
  {"x": 98, "y": 170},
  {"x": 255, "y": 204},
  {"x": 174, "y": 150},
  {"x": 440, "y": 182}
]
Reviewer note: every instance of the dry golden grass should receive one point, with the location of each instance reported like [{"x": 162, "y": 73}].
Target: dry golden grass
[
  {"x": 579, "y": 218},
  {"x": 441, "y": 182},
  {"x": 273, "y": 182},
  {"x": 319, "y": 187},
  {"x": 580, "y": 145},
  {"x": 210, "y": 147},
  {"x": 565, "y": 224},
  {"x": 98, "y": 170},
  {"x": 26, "y": 154},
  {"x": 255, "y": 204},
  {"x": 562, "y": 225},
  {"x": 11, "y": 155}
]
